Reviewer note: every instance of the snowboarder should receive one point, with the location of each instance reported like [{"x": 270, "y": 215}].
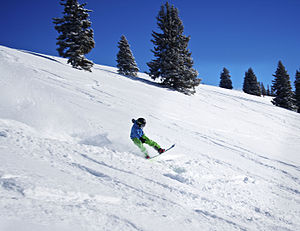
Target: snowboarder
[{"x": 138, "y": 137}]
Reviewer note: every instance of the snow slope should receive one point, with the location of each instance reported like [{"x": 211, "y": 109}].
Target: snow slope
[{"x": 67, "y": 163}]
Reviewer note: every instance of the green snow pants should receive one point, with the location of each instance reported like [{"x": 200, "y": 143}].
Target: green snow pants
[{"x": 146, "y": 140}]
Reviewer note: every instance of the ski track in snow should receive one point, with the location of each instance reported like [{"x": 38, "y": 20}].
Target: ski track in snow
[{"x": 73, "y": 163}]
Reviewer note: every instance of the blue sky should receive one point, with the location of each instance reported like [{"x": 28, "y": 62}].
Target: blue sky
[{"x": 236, "y": 34}]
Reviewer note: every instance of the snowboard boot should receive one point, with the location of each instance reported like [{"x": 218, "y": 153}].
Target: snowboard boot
[{"x": 161, "y": 150}]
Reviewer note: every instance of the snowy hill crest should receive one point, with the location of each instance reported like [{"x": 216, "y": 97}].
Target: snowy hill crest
[{"x": 67, "y": 162}]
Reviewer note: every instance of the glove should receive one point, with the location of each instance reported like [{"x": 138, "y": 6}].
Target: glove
[{"x": 143, "y": 140}]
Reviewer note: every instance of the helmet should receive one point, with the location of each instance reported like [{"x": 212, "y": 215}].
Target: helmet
[{"x": 141, "y": 122}]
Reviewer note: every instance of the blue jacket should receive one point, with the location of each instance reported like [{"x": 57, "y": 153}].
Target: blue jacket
[{"x": 136, "y": 131}]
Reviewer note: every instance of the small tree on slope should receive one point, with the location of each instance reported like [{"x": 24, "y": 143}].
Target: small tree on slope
[
  {"x": 297, "y": 90},
  {"x": 225, "y": 81},
  {"x": 75, "y": 39},
  {"x": 251, "y": 86},
  {"x": 125, "y": 59},
  {"x": 173, "y": 63},
  {"x": 282, "y": 88},
  {"x": 263, "y": 89},
  {"x": 268, "y": 90}
]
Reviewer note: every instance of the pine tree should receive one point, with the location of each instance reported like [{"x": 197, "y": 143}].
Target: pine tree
[
  {"x": 251, "y": 86},
  {"x": 268, "y": 90},
  {"x": 272, "y": 92},
  {"x": 75, "y": 39},
  {"x": 297, "y": 90},
  {"x": 173, "y": 63},
  {"x": 125, "y": 59},
  {"x": 263, "y": 89},
  {"x": 282, "y": 88},
  {"x": 225, "y": 81}
]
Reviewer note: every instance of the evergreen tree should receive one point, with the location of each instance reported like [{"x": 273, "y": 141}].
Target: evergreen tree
[
  {"x": 173, "y": 63},
  {"x": 251, "y": 86},
  {"x": 75, "y": 39},
  {"x": 125, "y": 59},
  {"x": 225, "y": 81},
  {"x": 282, "y": 88},
  {"x": 297, "y": 90},
  {"x": 268, "y": 90},
  {"x": 263, "y": 89},
  {"x": 272, "y": 92}
]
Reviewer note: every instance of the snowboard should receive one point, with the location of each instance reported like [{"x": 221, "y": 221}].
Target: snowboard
[{"x": 163, "y": 152}]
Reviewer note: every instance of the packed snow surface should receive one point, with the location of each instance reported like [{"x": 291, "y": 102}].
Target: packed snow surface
[{"x": 67, "y": 162}]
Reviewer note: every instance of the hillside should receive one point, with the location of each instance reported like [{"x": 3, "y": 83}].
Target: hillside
[{"x": 67, "y": 162}]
